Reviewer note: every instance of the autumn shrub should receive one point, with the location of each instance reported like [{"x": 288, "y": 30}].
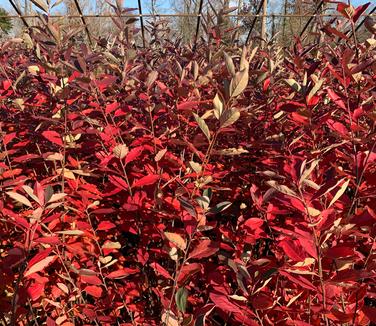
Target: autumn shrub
[{"x": 224, "y": 185}]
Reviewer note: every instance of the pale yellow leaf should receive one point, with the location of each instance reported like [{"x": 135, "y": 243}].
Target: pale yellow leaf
[
  {"x": 30, "y": 192},
  {"x": 71, "y": 232},
  {"x": 293, "y": 299},
  {"x": 169, "y": 319},
  {"x": 67, "y": 173},
  {"x": 111, "y": 245},
  {"x": 62, "y": 287},
  {"x": 55, "y": 157},
  {"x": 105, "y": 260},
  {"x": 218, "y": 106},
  {"x": 160, "y": 154},
  {"x": 229, "y": 151},
  {"x": 56, "y": 197},
  {"x": 313, "y": 212},
  {"x": 339, "y": 193},
  {"x": 20, "y": 198},
  {"x": 33, "y": 69},
  {"x": 120, "y": 151},
  {"x": 293, "y": 84},
  {"x": 195, "y": 166}
]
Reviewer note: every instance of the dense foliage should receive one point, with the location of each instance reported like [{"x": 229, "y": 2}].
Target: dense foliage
[{"x": 165, "y": 185}]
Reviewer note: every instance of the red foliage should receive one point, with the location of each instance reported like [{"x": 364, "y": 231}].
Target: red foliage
[{"x": 169, "y": 188}]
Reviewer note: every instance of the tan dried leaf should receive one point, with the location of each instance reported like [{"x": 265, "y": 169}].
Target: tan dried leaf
[
  {"x": 339, "y": 193},
  {"x": 239, "y": 83},
  {"x": 203, "y": 126},
  {"x": 281, "y": 188},
  {"x": 120, "y": 151},
  {"x": 111, "y": 245},
  {"x": 229, "y": 64},
  {"x": 228, "y": 117},
  {"x": 19, "y": 198},
  {"x": 176, "y": 239},
  {"x": 218, "y": 106}
]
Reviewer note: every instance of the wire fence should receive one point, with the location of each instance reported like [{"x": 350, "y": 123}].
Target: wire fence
[{"x": 246, "y": 23}]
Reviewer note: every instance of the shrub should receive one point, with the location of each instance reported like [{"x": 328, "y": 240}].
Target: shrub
[{"x": 224, "y": 185}]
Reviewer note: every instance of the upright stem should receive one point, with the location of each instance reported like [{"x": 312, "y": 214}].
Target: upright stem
[{"x": 318, "y": 251}]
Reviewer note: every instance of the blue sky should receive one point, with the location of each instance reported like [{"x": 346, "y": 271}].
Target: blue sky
[{"x": 165, "y": 5}]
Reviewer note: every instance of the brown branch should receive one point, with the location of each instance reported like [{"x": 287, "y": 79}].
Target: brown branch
[
  {"x": 198, "y": 24},
  {"x": 83, "y": 21},
  {"x": 141, "y": 22}
]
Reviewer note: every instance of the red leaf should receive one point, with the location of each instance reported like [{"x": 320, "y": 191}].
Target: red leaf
[
  {"x": 7, "y": 84},
  {"x": 8, "y": 138},
  {"x": 340, "y": 252},
  {"x": 53, "y": 137},
  {"x": 337, "y": 126},
  {"x": 188, "y": 270},
  {"x": 95, "y": 291},
  {"x": 254, "y": 223},
  {"x": 41, "y": 265},
  {"x": 105, "y": 225},
  {"x": 91, "y": 279},
  {"x": 300, "y": 280},
  {"x": 292, "y": 250},
  {"x": 299, "y": 118},
  {"x": 121, "y": 273},
  {"x": 204, "y": 249},
  {"x": 336, "y": 99},
  {"x": 48, "y": 240},
  {"x": 370, "y": 312},
  {"x": 111, "y": 107},
  {"x": 359, "y": 10},
  {"x": 187, "y": 106},
  {"x": 290, "y": 106},
  {"x": 118, "y": 182},
  {"x": 351, "y": 275},
  {"x": 308, "y": 246},
  {"x": 35, "y": 291},
  {"x": 147, "y": 180},
  {"x": 10, "y": 173},
  {"x": 160, "y": 270},
  {"x": 39, "y": 256},
  {"x": 222, "y": 302},
  {"x": 262, "y": 301},
  {"x": 133, "y": 154}
]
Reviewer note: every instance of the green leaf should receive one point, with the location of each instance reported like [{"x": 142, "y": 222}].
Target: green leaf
[
  {"x": 220, "y": 207},
  {"x": 208, "y": 193},
  {"x": 188, "y": 207},
  {"x": 203, "y": 126},
  {"x": 229, "y": 117},
  {"x": 293, "y": 84},
  {"x": 181, "y": 296},
  {"x": 203, "y": 201}
]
